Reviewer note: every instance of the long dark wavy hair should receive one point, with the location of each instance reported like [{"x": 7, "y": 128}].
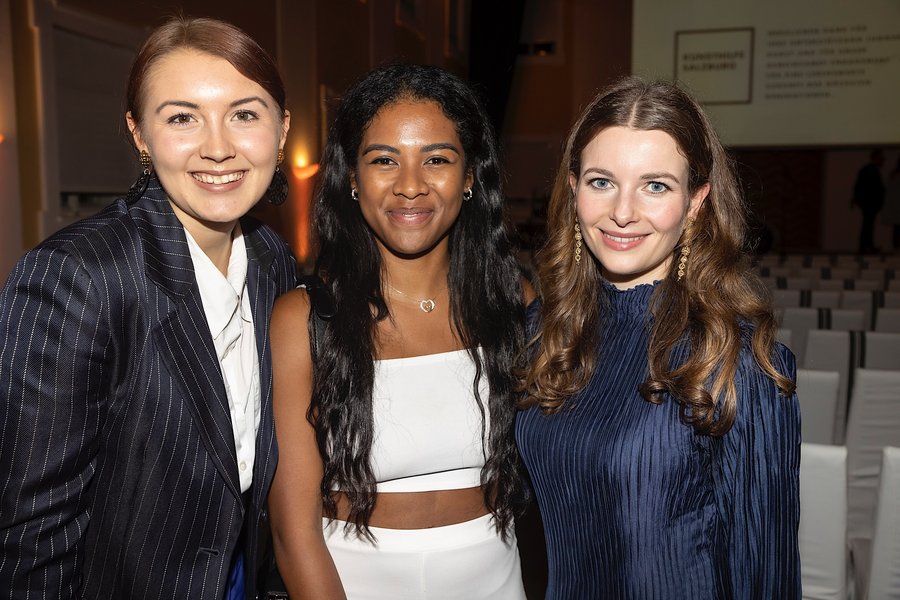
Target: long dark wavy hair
[
  {"x": 486, "y": 304},
  {"x": 708, "y": 307}
]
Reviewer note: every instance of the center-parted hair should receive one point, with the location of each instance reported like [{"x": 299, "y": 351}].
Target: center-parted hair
[
  {"x": 707, "y": 308},
  {"x": 486, "y": 305},
  {"x": 209, "y": 36}
]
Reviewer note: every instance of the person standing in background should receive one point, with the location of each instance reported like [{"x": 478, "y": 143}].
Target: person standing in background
[
  {"x": 137, "y": 442},
  {"x": 891, "y": 214},
  {"x": 868, "y": 194}
]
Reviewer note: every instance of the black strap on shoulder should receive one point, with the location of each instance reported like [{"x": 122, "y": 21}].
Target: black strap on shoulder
[{"x": 322, "y": 309}]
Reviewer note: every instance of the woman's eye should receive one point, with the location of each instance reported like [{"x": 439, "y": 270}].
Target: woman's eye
[
  {"x": 656, "y": 187},
  {"x": 246, "y": 115},
  {"x": 382, "y": 160},
  {"x": 437, "y": 160},
  {"x": 180, "y": 119},
  {"x": 601, "y": 183}
]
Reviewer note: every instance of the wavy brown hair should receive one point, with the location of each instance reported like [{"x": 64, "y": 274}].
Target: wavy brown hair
[{"x": 708, "y": 309}]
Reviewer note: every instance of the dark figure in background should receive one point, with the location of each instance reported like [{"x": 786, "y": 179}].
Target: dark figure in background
[
  {"x": 868, "y": 194},
  {"x": 891, "y": 213}
]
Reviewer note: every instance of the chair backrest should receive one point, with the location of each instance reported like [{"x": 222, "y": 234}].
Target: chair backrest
[
  {"x": 874, "y": 423},
  {"x": 831, "y": 284},
  {"x": 882, "y": 351},
  {"x": 823, "y": 521},
  {"x": 868, "y": 284},
  {"x": 884, "y": 575},
  {"x": 786, "y": 337},
  {"x": 894, "y": 285},
  {"x": 786, "y": 298},
  {"x": 864, "y": 300},
  {"x": 892, "y": 299},
  {"x": 825, "y": 298},
  {"x": 844, "y": 272},
  {"x": 818, "y": 395},
  {"x": 848, "y": 319},
  {"x": 888, "y": 320},
  {"x": 801, "y": 320}
]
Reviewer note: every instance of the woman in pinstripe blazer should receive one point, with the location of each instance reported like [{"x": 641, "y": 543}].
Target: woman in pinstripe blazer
[{"x": 136, "y": 435}]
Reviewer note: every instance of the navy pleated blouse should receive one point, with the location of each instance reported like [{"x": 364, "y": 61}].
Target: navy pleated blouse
[{"x": 638, "y": 506}]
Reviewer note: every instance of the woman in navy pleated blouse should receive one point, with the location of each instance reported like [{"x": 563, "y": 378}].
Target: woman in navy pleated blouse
[{"x": 660, "y": 431}]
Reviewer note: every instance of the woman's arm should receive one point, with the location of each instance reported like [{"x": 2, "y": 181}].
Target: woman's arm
[
  {"x": 757, "y": 487},
  {"x": 295, "y": 500},
  {"x": 53, "y": 342}
]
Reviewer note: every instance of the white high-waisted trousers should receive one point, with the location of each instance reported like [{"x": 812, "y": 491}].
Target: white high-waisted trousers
[{"x": 466, "y": 561}]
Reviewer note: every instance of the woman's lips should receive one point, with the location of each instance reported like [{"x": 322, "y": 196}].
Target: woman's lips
[
  {"x": 410, "y": 216},
  {"x": 622, "y": 241},
  {"x": 218, "y": 181}
]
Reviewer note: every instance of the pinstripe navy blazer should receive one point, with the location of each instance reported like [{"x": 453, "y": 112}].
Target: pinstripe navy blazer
[{"x": 118, "y": 473}]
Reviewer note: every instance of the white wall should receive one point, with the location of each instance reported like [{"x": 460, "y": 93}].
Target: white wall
[{"x": 10, "y": 203}]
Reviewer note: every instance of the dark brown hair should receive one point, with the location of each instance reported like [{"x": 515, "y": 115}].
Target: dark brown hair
[
  {"x": 707, "y": 307},
  {"x": 210, "y": 36}
]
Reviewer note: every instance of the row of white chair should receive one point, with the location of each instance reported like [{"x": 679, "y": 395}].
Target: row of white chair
[
  {"x": 824, "y": 522},
  {"x": 843, "y": 272},
  {"x": 829, "y": 260},
  {"x": 806, "y": 283},
  {"x": 842, "y": 352}
]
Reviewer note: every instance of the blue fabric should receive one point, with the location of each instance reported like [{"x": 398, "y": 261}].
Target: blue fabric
[
  {"x": 636, "y": 505},
  {"x": 235, "y": 588}
]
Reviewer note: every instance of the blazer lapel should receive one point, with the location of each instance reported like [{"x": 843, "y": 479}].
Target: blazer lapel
[
  {"x": 182, "y": 333},
  {"x": 261, "y": 286}
]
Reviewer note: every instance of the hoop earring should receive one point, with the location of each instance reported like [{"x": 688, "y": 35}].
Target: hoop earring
[
  {"x": 277, "y": 191},
  {"x": 578, "y": 239},
  {"x": 354, "y": 193},
  {"x": 685, "y": 253},
  {"x": 138, "y": 187},
  {"x": 467, "y": 195}
]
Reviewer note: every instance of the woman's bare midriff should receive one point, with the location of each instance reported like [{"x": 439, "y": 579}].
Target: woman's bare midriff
[{"x": 421, "y": 510}]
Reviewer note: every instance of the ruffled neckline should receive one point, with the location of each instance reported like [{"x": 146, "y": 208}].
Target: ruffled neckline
[{"x": 630, "y": 304}]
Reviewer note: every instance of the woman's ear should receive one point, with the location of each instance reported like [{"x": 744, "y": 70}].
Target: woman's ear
[
  {"x": 697, "y": 200},
  {"x": 573, "y": 183},
  {"x": 135, "y": 132}
]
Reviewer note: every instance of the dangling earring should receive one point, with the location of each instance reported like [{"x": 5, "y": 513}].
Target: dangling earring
[
  {"x": 685, "y": 251},
  {"x": 354, "y": 193},
  {"x": 137, "y": 188},
  {"x": 467, "y": 195},
  {"x": 277, "y": 191},
  {"x": 577, "y": 242}
]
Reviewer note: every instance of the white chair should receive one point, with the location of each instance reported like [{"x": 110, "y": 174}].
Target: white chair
[
  {"x": 831, "y": 284},
  {"x": 825, "y": 298},
  {"x": 802, "y": 320},
  {"x": 840, "y": 351},
  {"x": 823, "y": 521},
  {"x": 882, "y": 351},
  {"x": 844, "y": 272},
  {"x": 786, "y": 298},
  {"x": 796, "y": 283},
  {"x": 874, "y": 423},
  {"x": 894, "y": 285},
  {"x": 884, "y": 575},
  {"x": 817, "y": 392},
  {"x": 786, "y": 337},
  {"x": 888, "y": 320},
  {"x": 870, "y": 285},
  {"x": 864, "y": 300},
  {"x": 892, "y": 299}
]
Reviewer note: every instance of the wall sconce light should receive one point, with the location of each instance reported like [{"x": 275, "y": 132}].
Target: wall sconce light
[
  {"x": 305, "y": 172},
  {"x": 2, "y": 138}
]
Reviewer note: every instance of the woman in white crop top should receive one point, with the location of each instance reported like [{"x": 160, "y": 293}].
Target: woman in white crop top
[{"x": 397, "y": 469}]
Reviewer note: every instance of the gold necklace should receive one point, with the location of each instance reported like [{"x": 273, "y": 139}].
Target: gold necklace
[{"x": 426, "y": 305}]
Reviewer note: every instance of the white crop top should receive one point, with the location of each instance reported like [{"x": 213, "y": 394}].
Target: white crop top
[{"x": 428, "y": 430}]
